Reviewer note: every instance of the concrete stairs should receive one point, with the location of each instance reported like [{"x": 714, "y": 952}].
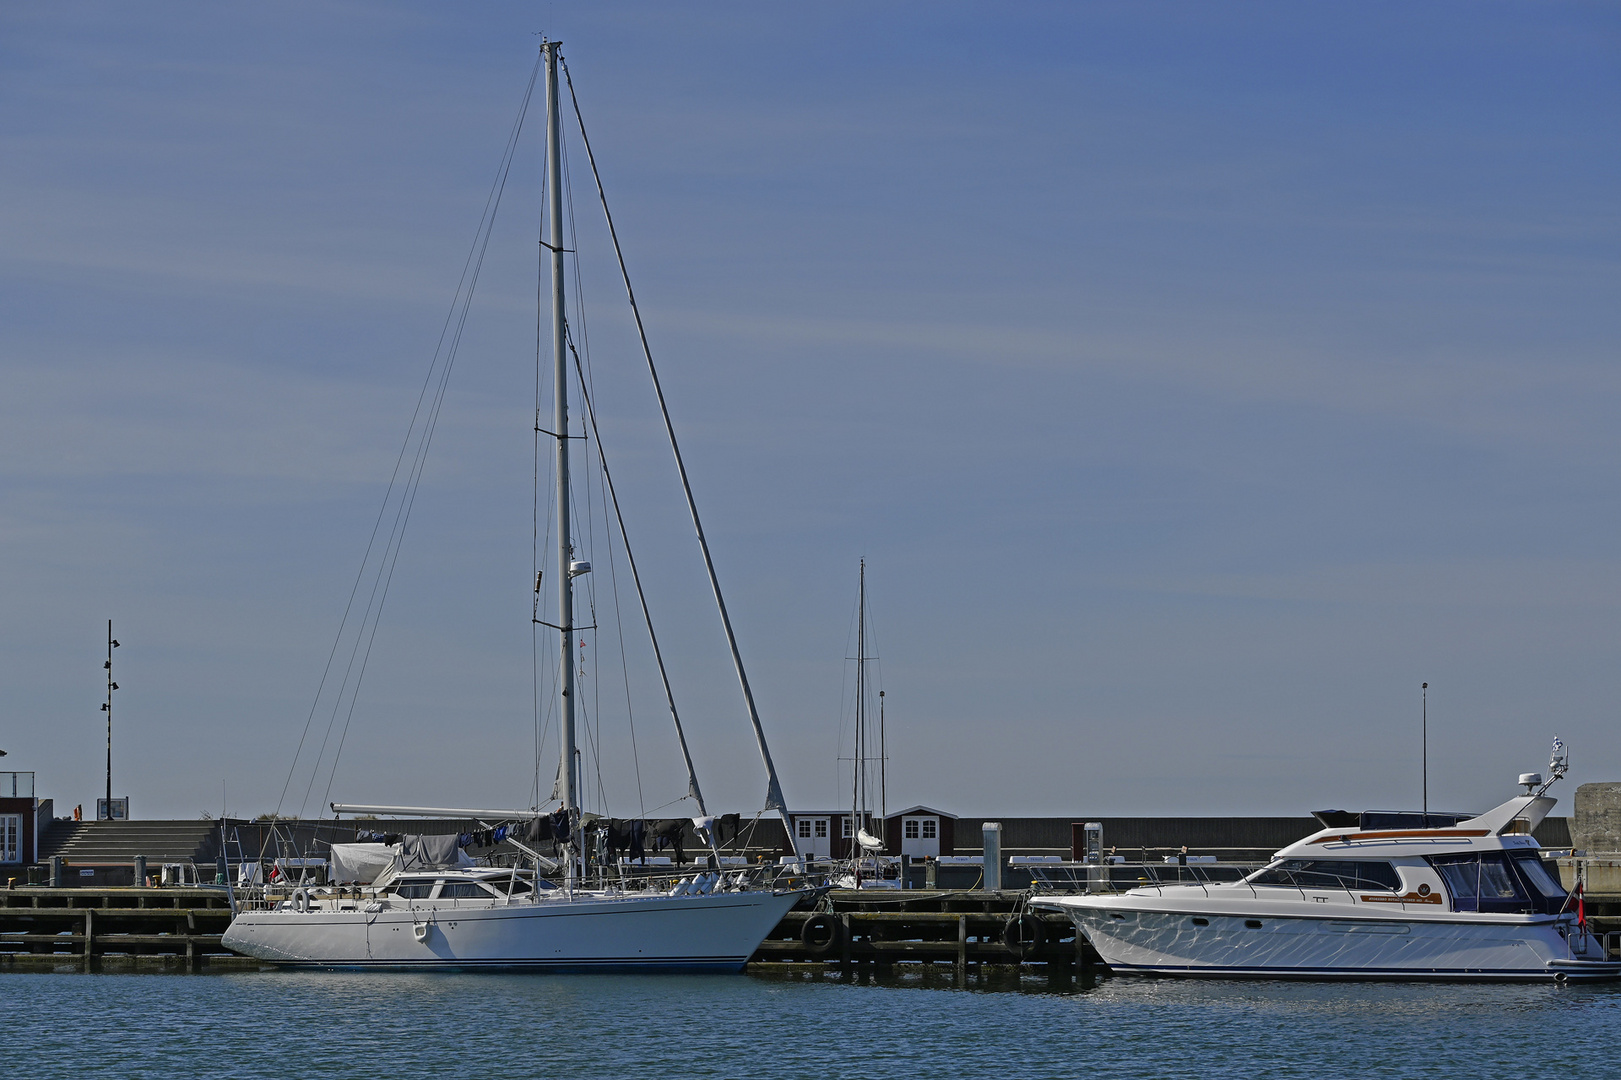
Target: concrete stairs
[{"x": 91, "y": 842}]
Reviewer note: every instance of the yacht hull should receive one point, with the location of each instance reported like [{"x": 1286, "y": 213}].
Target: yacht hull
[
  {"x": 716, "y": 932},
  {"x": 1140, "y": 941}
]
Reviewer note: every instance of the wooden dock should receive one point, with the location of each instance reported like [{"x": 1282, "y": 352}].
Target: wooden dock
[
  {"x": 958, "y": 937},
  {"x": 116, "y": 929},
  {"x": 948, "y": 938},
  {"x": 955, "y": 936}
]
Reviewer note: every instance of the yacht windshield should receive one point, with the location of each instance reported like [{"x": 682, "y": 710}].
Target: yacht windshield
[
  {"x": 1487, "y": 882},
  {"x": 1329, "y": 874},
  {"x": 1537, "y": 874}
]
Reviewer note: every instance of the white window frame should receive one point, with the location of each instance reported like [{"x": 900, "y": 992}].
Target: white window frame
[
  {"x": 931, "y": 828},
  {"x": 11, "y": 838},
  {"x": 804, "y": 828},
  {"x": 821, "y": 828}
]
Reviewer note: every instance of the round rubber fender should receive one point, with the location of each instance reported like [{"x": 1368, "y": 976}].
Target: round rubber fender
[
  {"x": 301, "y": 899},
  {"x": 820, "y": 934},
  {"x": 1026, "y": 936}
]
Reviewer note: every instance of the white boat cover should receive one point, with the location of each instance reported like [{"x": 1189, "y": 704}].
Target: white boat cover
[{"x": 361, "y": 863}]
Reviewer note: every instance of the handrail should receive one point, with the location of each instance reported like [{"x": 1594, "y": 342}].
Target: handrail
[{"x": 1112, "y": 877}]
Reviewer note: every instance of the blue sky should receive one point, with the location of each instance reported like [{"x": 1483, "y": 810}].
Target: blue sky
[{"x": 1196, "y": 380}]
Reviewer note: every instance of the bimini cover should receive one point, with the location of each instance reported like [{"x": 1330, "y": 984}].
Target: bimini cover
[
  {"x": 361, "y": 863},
  {"x": 427, "y": 852}
]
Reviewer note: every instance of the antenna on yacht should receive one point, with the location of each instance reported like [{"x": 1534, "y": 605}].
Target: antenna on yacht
[
  {"x": 1558, "y": 765},
  {"x": 1424, "y": 752}
]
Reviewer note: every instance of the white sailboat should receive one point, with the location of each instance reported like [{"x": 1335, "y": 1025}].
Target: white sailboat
[{"x": 455, "y": 916}]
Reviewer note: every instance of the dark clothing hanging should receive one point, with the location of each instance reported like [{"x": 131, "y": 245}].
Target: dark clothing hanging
[
  {"x": 628, "y": 837},
  {"x": 669, "y": 833}
]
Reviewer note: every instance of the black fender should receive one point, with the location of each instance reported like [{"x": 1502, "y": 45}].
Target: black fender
[
  {"x": 820, "y": 934},
  {"x": 1026, "y": 936}
]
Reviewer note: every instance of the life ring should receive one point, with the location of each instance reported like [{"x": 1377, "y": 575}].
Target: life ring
[
  {"x": 301, "y": 900},
  {"x": 1026, "y": 936},
  {"x": 820, "y": 934}
]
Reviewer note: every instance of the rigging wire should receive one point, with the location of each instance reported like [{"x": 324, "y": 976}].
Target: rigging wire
[
  {"x": 443, "y": 361},
  {"x": 408, "y": 503},
  {"x": 541, "y": 684},
  {"x": 647, "y": 616},
  {"x": 774, "y": 799},
  {"x": 610, "y": 498},
  {"x": 587, "y": 379}
]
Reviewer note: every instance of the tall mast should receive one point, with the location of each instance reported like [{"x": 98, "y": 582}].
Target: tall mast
[
  {"x": 568, "y": 774},
  {"x": 858, "y": 794}
]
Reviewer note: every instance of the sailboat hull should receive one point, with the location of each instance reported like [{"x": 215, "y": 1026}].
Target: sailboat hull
[{"x": 589, "y": 932}]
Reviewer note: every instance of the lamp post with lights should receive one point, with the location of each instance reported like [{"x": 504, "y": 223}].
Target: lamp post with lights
[{"x": 107, "y": 707}]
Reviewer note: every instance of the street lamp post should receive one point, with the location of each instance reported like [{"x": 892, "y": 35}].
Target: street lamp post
[{"x": 107, "y": 708}]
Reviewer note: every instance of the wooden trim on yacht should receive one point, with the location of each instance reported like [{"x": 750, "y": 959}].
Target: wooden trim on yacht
[
  {"x": 1403, "y": 834},
  {"x": 1410, "y": 898}
]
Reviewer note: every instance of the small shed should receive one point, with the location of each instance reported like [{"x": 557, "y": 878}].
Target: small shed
[
  {"x": 827, "y": 834},
  {"x": 920, "y": 831}
]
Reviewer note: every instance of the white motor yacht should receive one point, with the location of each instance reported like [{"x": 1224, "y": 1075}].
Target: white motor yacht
[{"x": 1472, "y": 900}]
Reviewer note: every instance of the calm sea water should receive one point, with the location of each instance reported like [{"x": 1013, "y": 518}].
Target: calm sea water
[{"x": 295, "y": 1024}]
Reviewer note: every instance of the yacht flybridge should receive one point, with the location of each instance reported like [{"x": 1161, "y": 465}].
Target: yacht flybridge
[
  {"x": 595, "y": 916},
  {"x": 1470, "y": 900}
]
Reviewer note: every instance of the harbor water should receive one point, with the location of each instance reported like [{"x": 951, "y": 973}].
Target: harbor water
[{"x": 279, "y": 1024}]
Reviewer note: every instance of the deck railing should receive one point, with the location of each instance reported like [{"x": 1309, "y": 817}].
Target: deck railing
[{"x": 1120, "y": 876}]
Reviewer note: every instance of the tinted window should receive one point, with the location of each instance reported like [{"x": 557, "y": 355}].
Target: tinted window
[
  {"x": 1496, "y": 882},
  {"x": 1460, "y": 879},
  {"x": 416, "y": 890},
  {"x": 464, "y": 890},
  {"x": 1481, "y": 882},
  {"x": 1329, "y": 874},
  {"x": 1541, "y": 879}
]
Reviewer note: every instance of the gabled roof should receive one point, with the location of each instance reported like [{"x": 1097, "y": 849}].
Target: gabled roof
[
  {"x": 921, "y": 809},
  {"x": 845, "y": 812}
]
